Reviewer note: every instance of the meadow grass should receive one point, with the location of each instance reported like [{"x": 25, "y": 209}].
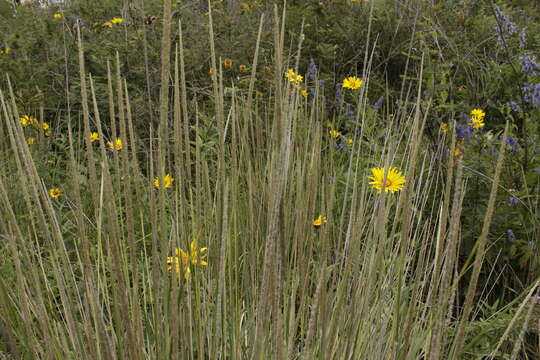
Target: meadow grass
[{"x": 92, "y": 273}]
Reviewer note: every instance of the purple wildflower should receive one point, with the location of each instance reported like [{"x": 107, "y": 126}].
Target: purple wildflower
[
  {"x": 512, "y": 201},
  {"x": 312, "y": 70},
  {"x": 339, "y": 92},
  {"x": 348, "y": 110},
  {"x": 522, "y": 39},
  {"x": 505, "y": 28},
  {"x": 464, "y": 131},
  {"x": 531, "y": 94},
  {"x": 529, "y": 65},
  {"x": 514, "y": 106},
  {"x": 511, "y": 236},
  {"x": 495, "y": 153}
]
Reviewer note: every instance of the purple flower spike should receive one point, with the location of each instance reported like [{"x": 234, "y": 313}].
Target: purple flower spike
[{"x": 511, "y": 236}]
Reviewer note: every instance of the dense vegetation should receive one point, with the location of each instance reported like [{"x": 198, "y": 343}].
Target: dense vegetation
[{"x": 265, "y": 179}]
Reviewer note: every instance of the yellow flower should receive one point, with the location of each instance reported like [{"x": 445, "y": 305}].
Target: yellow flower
[
  {"x": 48, "y": 133},
  {"x": 477, "y": 117},
  {"x": 7, "y": 50},
  {"x": 349, "y": 141},
  {"x": 304, "y": 93},
  {"x": 107, "y": 24},
  {"x": 55, "y": 193},
  {"x": 334, "y": 133},
  {"x": 197, "y": 255},
  {"x": 242, "y": 68},
  {"x": 168, "y": 181},
  {"x": 182, "y": 260},
  {"x": 458, "y": 151},
  {"x": 31, "y": 140},
  {"x": 444, "y": 127},
  {"x": 293, "y": 77},
  {"x": 117, "y": 20},
  {"x": 394, "y": 180},
  {"x": 319, "y": 221},
  {"x": 352, "y": 82},
  {"x": 117, "y": 146},
  {"x": 94, "y": 136},
  {"x": 57, "y": 16},
  {"x": 45, "y": 126},
  {"x": 227, "y": 63},
  {"x": 27, "y": 120}
]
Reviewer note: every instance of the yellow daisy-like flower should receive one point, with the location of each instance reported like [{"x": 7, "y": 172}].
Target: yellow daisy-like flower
[
  {"x": 477, "y": 118},
  {"x": 93, "y": 136},
  {"x": 27, "y": 120},
  {"x": 117, "y": 20},
  {"x": 304, "y": 93},
  {"x": 349, "y": 141},
  {"x": 48, "y": 133},
  {"x": 198, "y": 255},
  {"x": 167, "y": 181},
  {"x": 293, "y": 77},
  {"x": 319, "y": 221},
  {"x": 55, "y": 193},
  {"x": 182, "y": 260},
  {"x": 394, "y": 180},
  {"x": 57, "y": 16},
  {"x": 118, "y": 146},
  {"x": 458, "y": 151},
  {"x": 31, "y": 140},
  {"x": 7, "y": 50},
  {"x": 180, "y": 263},
  {"x": 334, "y": 133},
  {"x": 352, "y": 82},
  {"x": 444, "y": 127},
  {"x": 45, "y": 126},
  {"x": 108, "y": 24},
  {"x": 242, "y": 68},
  {"x": 227, "y": 63}
]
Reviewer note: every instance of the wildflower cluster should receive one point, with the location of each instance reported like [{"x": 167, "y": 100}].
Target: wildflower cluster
[
  {"x": 118, "y": 145},
  {"x": 182, "y": 261},
  {"x": 114, "y": 21},
  {"x": 338, "y": 136},
  {"x": 167, "y": 181},
  {"x": 477, "y": 118},
  {"x": 5, "y": 51},
  {"x": 294, "y": 78},
  {"x": 35, "y": 126}
]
